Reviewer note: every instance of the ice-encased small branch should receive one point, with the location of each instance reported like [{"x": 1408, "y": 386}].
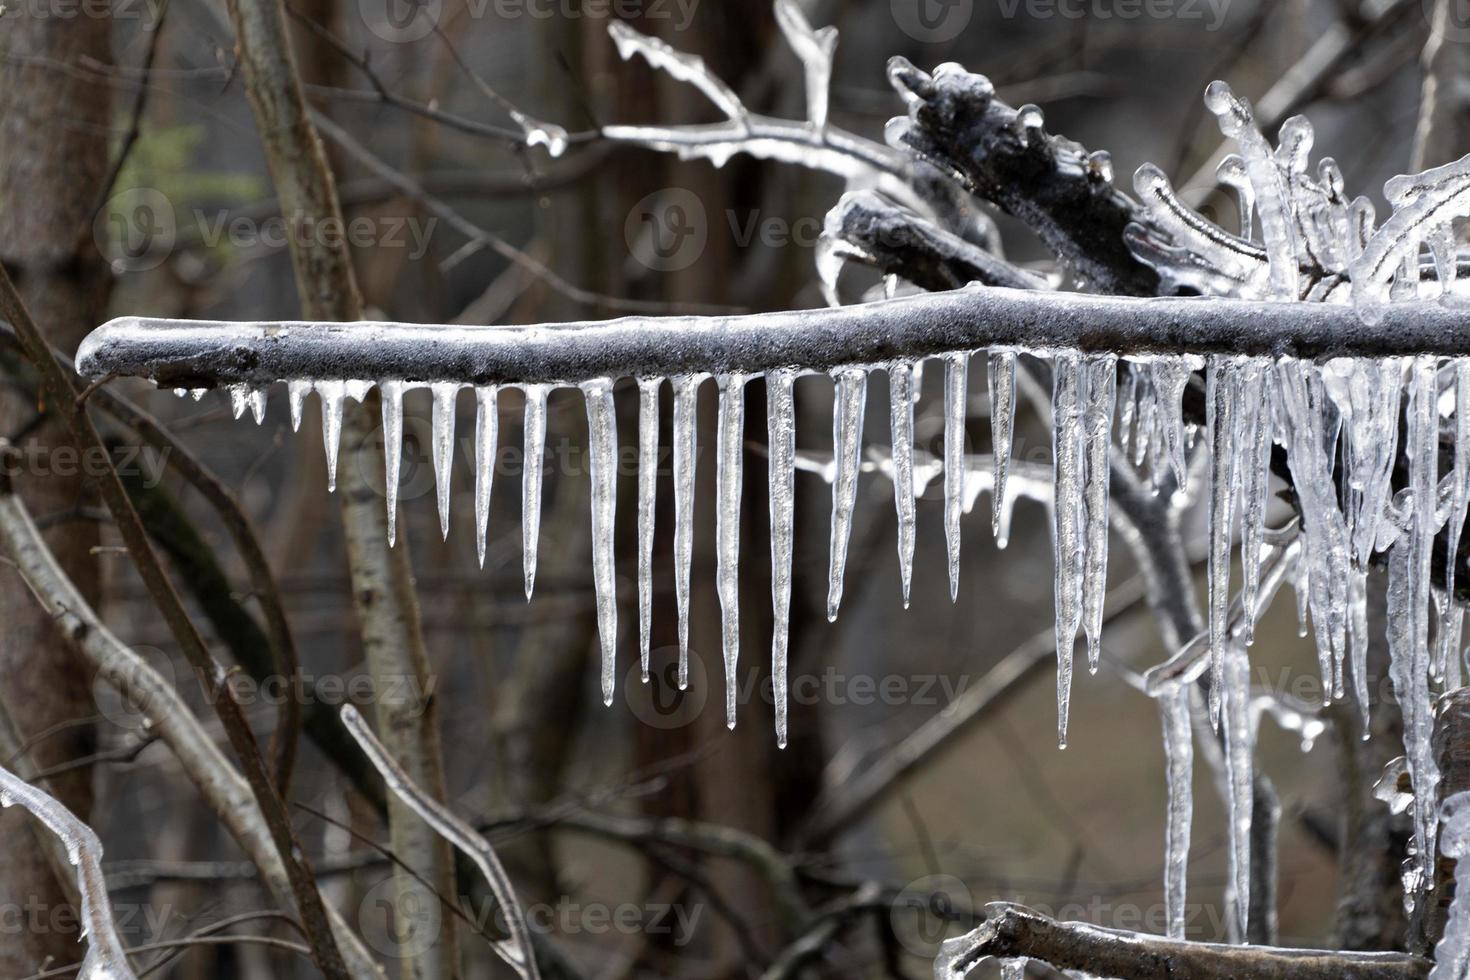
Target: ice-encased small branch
[
  {"x": 516, "y": 950},
  {"x": 206, "y": 354},
  {"x": 1016, "y": 931},
  {"x": 106, "y": 958}
]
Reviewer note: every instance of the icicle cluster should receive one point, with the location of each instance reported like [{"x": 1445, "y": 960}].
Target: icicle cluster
[{"x": 1336, "y": 421}]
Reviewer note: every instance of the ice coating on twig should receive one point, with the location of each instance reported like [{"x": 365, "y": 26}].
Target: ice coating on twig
[
  {"x": 516, "y": 950},
  {"x": 781, "y": 425},
  {"x": 106, "y": 957},
  {"x": 729, "y": 468},
  {"x": 677, "y": 65},
  {"x": 850, "y": 400},
  {"x": 815, "y": 48}
]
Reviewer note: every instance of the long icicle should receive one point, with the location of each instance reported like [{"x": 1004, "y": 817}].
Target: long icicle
[
  {"x": 1179, "y": 762},
  {"x": 1001, "y": 376},
  {"x": 331, "y": 394},
  {"x": 487, "y": 433},
  {"x": 535, "y": 450},
  {"x": 647, "y": 496},
  {"x": 1067, "y": 512},
  {"x": 1102, "y": 390},
  {"x": 1240, "y": 774},
  {"x": 956, "y": 390},
  {"x": 1220, "y": 379},
  {"x": 781, "y": 427},
  {"x": 391, "y": 395},
  {"x": 1253, "y": 439},
  {"x": 602, "y": 438},
  {"x": 729, "y": 457},
  {"x": 441, "y": 427},
  {"x": 850, "y": 400},
  {"x": 686, "y": 389},
  {"x": 901, "y": 426}
]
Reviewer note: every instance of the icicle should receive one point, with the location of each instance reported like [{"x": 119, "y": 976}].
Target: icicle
[
  {"x": 1452, "y": 952},
  {"x": 331, "y": 393},
  {"x": 1179, "y": 762},
  {"x": 686, "y": 389},
  {"x": 1127, "y": 407},
  {"x": 256, "y": 400},
  {"x": 1460, "y": 495},
  {"x": 296, "y": 392},
  {"x": 1253, "y": 478},
  {"x": 539, "y": 133},
  {"x": 442, "y": 429},
  {"x": 850, "y": 400},
  {"x": 238, "y": 395},
  {"x": 1001, "y": 376},
  {"x": 487, "y": 431},
  {"x": 1067, "y": 511},
  {"x": 1170, "y": 376},
  {"x": 1358, "y": 641},
  {"x": 956, "y": 375},
  {"x": 1273, "y": 197},
  {"x": 534, "y": 431},
  {"x": 729, "y": 458},
  {"x": 391, "y": 395},
  {"x": 781, "y": 425},
  {"x": 602, "y": 438},
  {"x": 1220, "y": 399},
  {"x": 901, "y": 421},
  {"x": 1240, "y": 775},
  {"x": 1102, "y": 383},
  {"x": 647, "y": 495},
  {"x": 1408, "y": 612}
]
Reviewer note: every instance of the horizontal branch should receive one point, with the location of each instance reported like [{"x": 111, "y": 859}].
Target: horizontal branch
[
  {"x": 203, "y": 354},
  {"x": 1011, "y": 931}
]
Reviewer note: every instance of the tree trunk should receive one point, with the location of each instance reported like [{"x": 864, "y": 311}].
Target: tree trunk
[{"x": 49, "y": 180}]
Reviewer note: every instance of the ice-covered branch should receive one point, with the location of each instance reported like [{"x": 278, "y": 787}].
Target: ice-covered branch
[
  {"x": 516, "y": 951},
  {"x": 106, "y": 958},
  {"x": 1015, "y": 932},
  {"x": 206, "y": 354}
]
